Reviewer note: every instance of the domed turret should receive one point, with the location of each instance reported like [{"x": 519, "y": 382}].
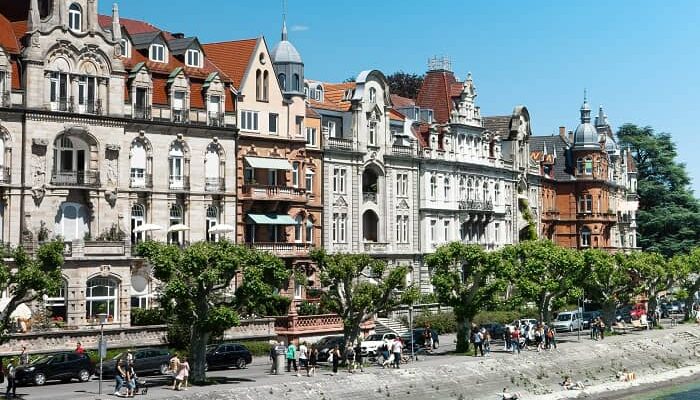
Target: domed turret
[
  {"x": 586, "y": 135},
  {"x": 288, "y": 65}
]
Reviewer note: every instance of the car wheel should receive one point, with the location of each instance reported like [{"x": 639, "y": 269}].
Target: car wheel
[
  {"x": 39, "y": 379},
  {"x": 206, "y": 366},
  {"x": 571, "y": 328},
  {"x": 240, "y": 363},
  {"x": 436, "y": 344},
  {"x": 164, "y": 369},
  {"x": 84, "y": 375}
]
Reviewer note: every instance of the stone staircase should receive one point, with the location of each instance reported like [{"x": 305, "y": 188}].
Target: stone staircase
[
  {"x": 688, "y": 337},
  {"x": 386, "y": 325}
]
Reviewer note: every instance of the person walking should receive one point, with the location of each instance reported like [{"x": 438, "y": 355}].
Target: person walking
[
  {"x": 515, "y": 340},
  {"x": 396, "y": 348},
  {"x": 507, "y": 338},
  {"x": 272, "y": 355},
  {"x": 119, "y": 377},
  {"x": 304, "y": 357},
  {"x": 175, "y": 369},
  {"x": 79, "y": 348},
  {"x": 183, "y": 374},
  {"x": 478, "y": 343},
  {"x": 292, "y": 358},
  {"x": 11, "y": 385},
  {"x": 313, "y": 359},
  {"x": 358, "y": 356},
  {"x": 487, "y": 343},
  {"x": 601, "y": 328},
  {"x": 130, "y": 379},
  {"x": 335, "y": 353},
  {"x": 350, "y": 357},
  {"x": 24, "y": 356}
]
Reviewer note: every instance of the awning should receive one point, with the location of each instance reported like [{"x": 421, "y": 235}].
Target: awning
[
  {"x": 272, "y": 219},
  {"x": 268, "y": 163}
]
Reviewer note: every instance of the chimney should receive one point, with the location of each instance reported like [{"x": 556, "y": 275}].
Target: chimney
[
  {"x": 571, "y": 136},
  {"x": 178, "y": 35}
]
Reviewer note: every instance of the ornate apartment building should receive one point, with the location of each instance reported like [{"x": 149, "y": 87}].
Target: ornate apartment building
[
  {"x": 112, "y": 130},
  {"x": 370, "y": 164},
  {"x": 589, "y": 186}
]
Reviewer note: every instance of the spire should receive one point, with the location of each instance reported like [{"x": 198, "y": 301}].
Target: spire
[
  {"x": 585, "y": 109},
  {"x": 284, "y": 20},
  {"x": 62, "y": 14},
  {"x": 601, "y": 119},
  {"x": 34, "y": 18},
  {"x": 116, "y": 25},
  {"x": 544, "y": 148}
]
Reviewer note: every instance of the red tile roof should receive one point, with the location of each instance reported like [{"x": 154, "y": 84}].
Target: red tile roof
[
  {"x": 333, "y": 95},
  {"x": 437, "y": 92},
  {"x": 396, "y": 116},
  {"x": 8, "y": 38},
  {"x": 20, "y": 29},
  {"x": 400, "y": 101},
  {"x": 311, "y": 113},
  {"x": 132, "y": 26},
  {"x": 231, "y": 57}
]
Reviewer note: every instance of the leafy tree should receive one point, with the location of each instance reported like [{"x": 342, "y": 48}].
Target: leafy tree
[
  {"x": 689, "y": 275},
  {"x": 607, "y": 282},
  {"x": 28, "y": 279},
  {"x": 405, "y": 84},
  {"x": 467, "y": 278},
  {"x": 548, "y": 275},
  {"x": 669, "y": 215},
  {"x": 196, "y": 290},
  {"x": 358, "y": 287},
  {"x": 652, "y": 273}
]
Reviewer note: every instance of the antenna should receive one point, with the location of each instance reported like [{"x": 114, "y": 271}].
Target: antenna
[{"x": 439, "y": 63}]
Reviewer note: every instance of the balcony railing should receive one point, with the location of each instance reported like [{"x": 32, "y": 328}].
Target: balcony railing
[
  {"x": 283, "y": 249},
  {"x": 215, "y": 118},
  {"x": 92, "y": 107},
  {"x": 375, "y": 247},
  {"x": 339, "y": 143},
  {"x": 550, "y": 215},
  {"x": 308, "y": 323},
  {"x": 143, "y": 182},
  {"x": 596, "y": 216},
  {"x": 64, "y": 104},
  {"x": 475, "y": 205},
  {"x": 181, "y": 116},
  {"x": 214, "y": 184},
  {"x": 405, "y": 151},
  {"x": 142, "y": 111},
  {"x": 368, "y": 197},
  {"x": 76, "y": 178},
  {"x": 273, "y": 193},
  {"x": 179, "y": 182},
  {"x": 5, "y": 175}
]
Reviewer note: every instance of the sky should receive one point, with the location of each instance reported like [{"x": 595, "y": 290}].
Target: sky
[{"x": 639, "y": 59}]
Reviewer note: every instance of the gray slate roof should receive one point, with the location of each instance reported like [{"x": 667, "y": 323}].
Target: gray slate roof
[
  {"x": 499, "y": 123},
  {"x": 180, "y": 45},
  {"x": 563, "y": 163},
  {"x": 142, "y": 40}
]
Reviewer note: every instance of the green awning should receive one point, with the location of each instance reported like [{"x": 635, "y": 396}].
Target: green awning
[
  {"x": 268, "y": 163},
  {"x": 271, "y": 219}
]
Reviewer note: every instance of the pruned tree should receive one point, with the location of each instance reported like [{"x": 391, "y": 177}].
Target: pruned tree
[
  {"x": 467, "y": 278},
  {"x": 689, "y": 276},
  {"x": 196, "y": 290},
  {"x": 28, "y": 279},
  {"x": 405, "y": 84},
  {"x": 608, "y": 282},
  {"x": 652, "y": 274},
  {"x": 357, "y": 287}
]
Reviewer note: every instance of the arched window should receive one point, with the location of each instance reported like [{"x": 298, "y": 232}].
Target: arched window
[
  {"x": 486, "y": 191},
  {"x": 462, "y": 189},
  {"x": 72, "y": 222},
  {"x": 258, "y": 85},
  {"x": 433, "y": 187},
  {"x": 75, "y": 17},
  {"x": 266, "y": 85},
  {"x": 298, "y": 226},
  {"x": 177, "y": 166},
  {"x": 175, "y": 219},
  {"x": 70, "y": 161},
  {"x": 295, "y": 82},
  {"x": 138, "y": 165},
  {"x": 212, "y": 169},
  {"x": 370, "y": 226},
  {"x": 372, "y": 95},
  {"x": 282, "y": 78},
  {"x": 309, "y": 230},
  {"x": 138, "y": 218},
  {"x": 56, "y": 302},
  {"x": 588, "y": 166},
  {"x": 141, "y": 292},
  {"x": 470, "y": 190},
  {"x": 447, "y": 189},
  {"x": 585, "y": 237},
  {"x": 212, "y": 221},
  {"x": 497, "y": 194},
  {"x": 319, "y": 93},
  {"x": 579, "y": 166},
  {"x": 101, "y": 298}
]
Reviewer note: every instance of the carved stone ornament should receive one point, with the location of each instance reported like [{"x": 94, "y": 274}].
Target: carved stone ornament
[
  {"x": 105, "y": 270},
  {"x": 38, "y": 194},
  {"x": 40, "y": 142},
  {"x": 112, "y": 147},
  {"x": 340, "y": 202},
  {"x": 111, "y": 197}
]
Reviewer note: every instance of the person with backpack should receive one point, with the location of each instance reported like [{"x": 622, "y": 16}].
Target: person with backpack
[
  {"x": 358, "y": 356},
  {"x": 313, "y": 360}
]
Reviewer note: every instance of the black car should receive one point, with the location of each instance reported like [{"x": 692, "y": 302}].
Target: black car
[
  {"x": 227, "y": 355},
  {"x": 327, "y": 343},
  {"x": 146, "y": 361},
  {"x": 496, "y": 330},
  {"x": 589, "y": 316},
  {"x": 58, "y": 366},
  {"x": 418, "y": 340}
]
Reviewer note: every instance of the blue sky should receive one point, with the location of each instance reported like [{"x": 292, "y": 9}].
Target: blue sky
[{"x": 638, "y": 58}]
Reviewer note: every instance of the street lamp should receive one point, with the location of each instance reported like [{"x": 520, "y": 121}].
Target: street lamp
[{"x": 101, "y": 348}]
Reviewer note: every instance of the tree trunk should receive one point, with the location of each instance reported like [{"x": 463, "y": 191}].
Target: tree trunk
[
  {"x": 198, "y": 351},
  {"x": 463, "y": 333},
  {"x": 351, "y": 331},
  {"x": 609, "y": 312}
]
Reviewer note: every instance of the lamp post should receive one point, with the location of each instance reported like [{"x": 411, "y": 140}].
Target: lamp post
[
  {"x": 101, "y": 348},
  {"x": 410, "y": 327}
]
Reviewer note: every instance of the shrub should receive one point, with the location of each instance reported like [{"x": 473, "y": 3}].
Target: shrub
[
  {"x": 428, "y": 298},
  {"x": 147, "y": 316},
  {"x": 502, "y": 317},
  {"x": 257, "y": 348},
  {"x": 441, "y": 322},
  {"x": 306, "y": 308}
]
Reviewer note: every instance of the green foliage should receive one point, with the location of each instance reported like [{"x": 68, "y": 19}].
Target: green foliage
[
  {"x": 405, "y": 84},
  {"x": 258, "y": 348},
  {"x": 306, "y": 308},
  {"x": 428, "y": 298},
  {"x": 441, "y": 322},
  {"x": 113, "y": 234},
  {"x": 668, "y": 221},
  {"x": 147, "y": 316},
  {"x": 502, "y": 317},
  {"x": 530, "y": 232}
]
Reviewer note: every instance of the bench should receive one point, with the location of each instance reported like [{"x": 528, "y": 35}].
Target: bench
[
  {"x": 619, "y": 328},
  {"x": 637, "y": 325}
]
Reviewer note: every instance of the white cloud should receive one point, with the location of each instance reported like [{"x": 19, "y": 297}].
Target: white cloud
[{"x": 299, "y": 28}]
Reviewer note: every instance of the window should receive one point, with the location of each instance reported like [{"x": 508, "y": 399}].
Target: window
[
  {"x": 497, "y": 194},
  {"x": 295, "y": 82},
  {"x": 309, "y": 181},
  {"x": 373, "y": 133},
  {"x": 177, "y": 166},
  {"x": 497, "y": 233},
  {"x": 211, "y": 221},
  {"x": 138, "y": 165},
  {"x": 298, "y": 291},
  {"x": 446, "y": 233},
  {"x": 339, "y": 180},
  {"x": 73, "y": 221},
  {"x": 318, "y": 93},
  {"x": 462, "y": 189},
  {"x": 75, "y": 17},
  {"x": 311, "y": 136},
  {"x": 585, "y": 237},
  {"x": 588, "y": 166},
  {"x": 298, "y": 221},
  {"x": 447, "y": 189},
  {"x": 585, "y": 203},
  {"x": 59, "y": 91},
  {"x": 249, "y": 120},
  {"x": 214, "y": 114},
  {"x": 295, "y": 174},
  {"x": 332, "y": 131},
  {"x": 272, "y": 177},
  {"x": 309, "y": 231},
  {"x": 125, "y": 48},
  {"x": 433, "y": 187},
  {"x": 138, "y": 216},
  {"x": 101, "y": 298},
  {"x": 175, "y": 219},
  {"x": 266, "y": 85},
  {"x": 272, "y": 127},
  {"x": 258, "y": 85},
  {"x": 212, "y": 169},
  {"x": 282, "y": 79},
  {"x": 248, "y": 175},
  {"x": 157, "y": 53},
  {"x": 194, "y": 58},
  {"x": 433, "y": 232},
  {"x": 485, "y": 192},
  {"x": 372, "y": 95},
  {"x": 402, "y": 228},
  {"x": 339, "y": 227},
  {"x": 87, "y": 94},
  {"x": 402, "y": 185}
]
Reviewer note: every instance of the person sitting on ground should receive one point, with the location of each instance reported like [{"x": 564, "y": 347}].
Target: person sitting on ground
[
  {"x": 509, "y": 396},
  {"x": 569, "y": 385}
]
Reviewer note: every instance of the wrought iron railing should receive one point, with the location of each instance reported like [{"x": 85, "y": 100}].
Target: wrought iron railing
[
  {"x": 76, "y": 178},
  {"x": 142, "y": 111},
  {"x": 179, "y": 182},
  {"x": 214, "y": 184},
  {"x": 141, "y": 182}
]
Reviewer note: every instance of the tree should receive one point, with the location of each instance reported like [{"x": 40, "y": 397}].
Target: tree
[
  {"x": 669, "y": 215},
  {"x": 607, "y": 282},
  {"x": 689, "y": 276},
  {"x": 405, "y": 84},
  {"x": 28, "y": 279},
  {"x": 548, "y": 275},
  {"x": 358, "y": 286},
  {"x": 467, "y": 278},
  {"x": 653, "y": 274},
  {"x": 196, "y": 289}
]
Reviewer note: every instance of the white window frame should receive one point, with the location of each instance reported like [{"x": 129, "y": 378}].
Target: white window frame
[
  {"x": 157, "y": 53},
  {"x": 310, "y": 136},
  {"x": 193, "y": 58},
  {"x": 339, "y": 180},
  {"x": 75, "y": 17},
  {"x": 276, "y": 118},
  {"x": 295, "y": 174},
  {"x": 372, "y": 133},
  {"x": 250, "y": 121},
  {"x": 309, "y": 231},
  {"x": 309, "y": 181},
  {"x": 298, "y": 222}
]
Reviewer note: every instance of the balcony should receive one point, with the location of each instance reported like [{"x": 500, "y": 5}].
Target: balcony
[
  {"x": 142, "y": 182},
  {"x": 282, "y": 249},
  {"x": 76, "y": 178},
  {"x": 5, "y": 175},
  {"x": 375, "y": 247},
  {"x": 597, "y": 217},
  {"x": 273, "y": 193},
  {"x": 91, "y": 107},
  {"x": 215, "y": 118},
  {"x": 403, "y": 151},
  {"x": 179, "y": 182},
  {"x": 141, "y": 111},
  {"x": 63, "y": 104},
  {"x": 214, "y": 184},
  {"x": 369, "y": 197},
  {"x": 181, "y": 116},
  {"x": 339, "y": 143},
  {"x": 551, "y": 215},
  {"x": 475, "y": 205},
  {"x": 306, "y": 324}
]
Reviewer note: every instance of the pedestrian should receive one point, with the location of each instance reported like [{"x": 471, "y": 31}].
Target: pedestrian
[
  {"x": 292, "y": 358},
  {"x": 183, "y": 374},
  {"x": 487, "y": 343},
  {"x": 515, "y": 340},
  {"x": 477, "y": 339},
  {"x": 507, "y": 338},
  {"x": 594, "y": 329},
  {"x": 601, "y": 328},
  {"x": 358, "y": 356},
  {"x": 273, "y": 354},
  {"x": 119, "y": 377},
  {"x": 11, "y": 386},
  {"x": 313, "y": 359},
  {"x": 175, "y": 369},
  {"x": 130, "y": 379},
  {"x": 24, "y": 356},
  {"x": 350, "y": 357},
  {"x": 396, "y": 348},
  {"x": 428, "y": 337},
  {"x": 552, "y": 338},
  {"x": 336, "y": 359},
  {"x": 79, "y": 348},
  {"x": 304, "y": 357}
]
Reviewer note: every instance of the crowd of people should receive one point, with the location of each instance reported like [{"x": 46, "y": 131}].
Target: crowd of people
[{"x": 517, "y": 337}]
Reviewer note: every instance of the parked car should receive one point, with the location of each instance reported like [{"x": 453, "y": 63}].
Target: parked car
[
  {"x": 677, "y": 307},
  {"x": 418, "y": 339},
  {"x": 568, "y": 321},
  {"x": 624, "y": 314},
  {"x": 589, "y": 316},
  {"x": 523, "y": 321},
  {"x": 373, "y": 342},
  {"x": 638, "y": 310},
  {"x": 146, "y": 361},
  {"x": 327, "y": 343},
  {"x": 227, "y": 355},
  {"x": 62, "y": 366},
  {"x": 496, "y": 330}
]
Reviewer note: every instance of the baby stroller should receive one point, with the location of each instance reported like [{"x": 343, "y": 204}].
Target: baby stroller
[{"x": 141, "y": 386}]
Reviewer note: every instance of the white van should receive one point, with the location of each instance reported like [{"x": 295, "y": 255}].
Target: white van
[{"x": 568, "y": 321}]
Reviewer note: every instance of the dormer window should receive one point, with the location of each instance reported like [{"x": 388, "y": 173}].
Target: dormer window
[
  {"x": 318, "y": 93},
  {"x": 157, "y": 53},
  {"x": 75, "y": 18},
  {"x": 125, "y": 48},
  {"x": 372, "y": 95},
  {"x": 194, "y": 58}
]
